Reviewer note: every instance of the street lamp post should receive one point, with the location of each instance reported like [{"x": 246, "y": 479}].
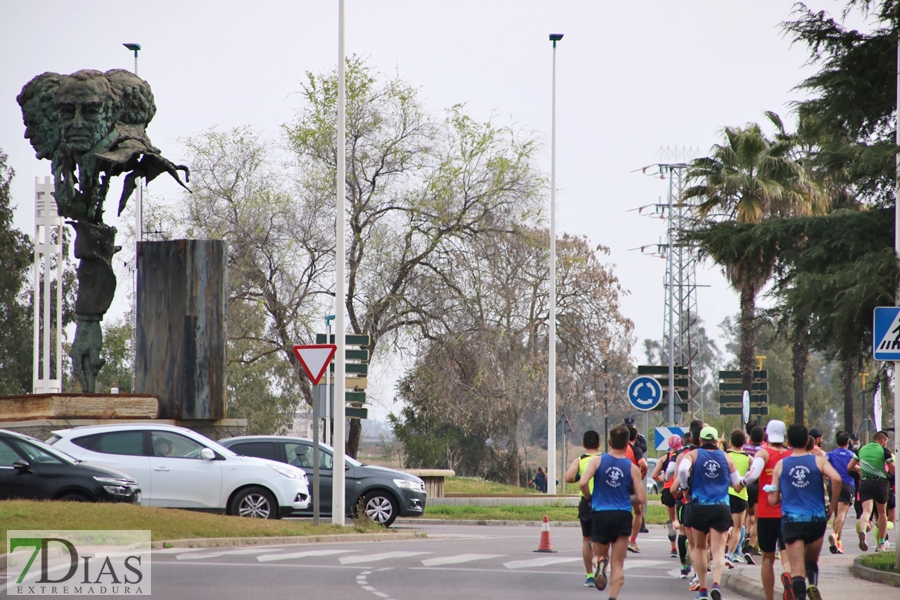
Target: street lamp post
[
  {"x": 551, "y": 371},
  {"x": 139, "y": 199}
]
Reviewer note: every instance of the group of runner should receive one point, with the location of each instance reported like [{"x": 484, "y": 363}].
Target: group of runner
[{"x": 724, "y": 502}]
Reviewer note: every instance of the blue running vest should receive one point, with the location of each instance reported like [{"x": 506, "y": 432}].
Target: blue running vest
[
  {"x": 611, "y": 483},
  {"x": 711, "y": 478},
  {"x": 802, "y": 495}
]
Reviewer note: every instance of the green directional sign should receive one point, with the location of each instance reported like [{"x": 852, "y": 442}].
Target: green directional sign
[
  {"x": 737, "y": 375},
  {"x": 349, "y": 339},
  {"x": 733, "y": 399},
  {"x": 354, "y": 368},
  {"x": 359, "y": 397},
  {"x": 660, "y": 370},
  {"x": 356, "y": 413},
  {"x": 737, "y": 388},
  {"x": 361, "y": 355},
  {"x": 663, "y": 407},
  {"x": 679, "y": 383},
  {"x": 736, "y": 410}
]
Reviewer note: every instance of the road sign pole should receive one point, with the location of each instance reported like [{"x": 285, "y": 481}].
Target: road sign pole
[
  {"x": 315, "y": 454},
  {"x": 897, "y": 297},
  {"x": 340, "y": 290}
]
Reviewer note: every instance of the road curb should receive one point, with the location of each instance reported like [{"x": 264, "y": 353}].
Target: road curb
[
  {"x": 737, "y": 582},
  {"x": 421, "y": 521},
  {"x": 863, "y": 572},
  {"x": 269, "y": 541}
]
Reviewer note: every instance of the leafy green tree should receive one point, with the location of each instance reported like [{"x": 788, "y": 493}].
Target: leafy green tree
[
  {"x": 118, "y": 354},
  {"x": 416, "y": 188},
  {"x": 16, "y": 256},
  {"x": 747, "y": 179}
]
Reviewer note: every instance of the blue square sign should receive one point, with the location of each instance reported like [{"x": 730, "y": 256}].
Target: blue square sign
[{"x": 886, "y": 333}]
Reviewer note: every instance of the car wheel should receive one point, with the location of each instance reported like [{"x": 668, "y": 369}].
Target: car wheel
[
  {"x": 255, "y": 502},
  {"x": 381, "y": 508},
  {"x": 655, "y": 490},
  {"x": 74, "y": 497}
]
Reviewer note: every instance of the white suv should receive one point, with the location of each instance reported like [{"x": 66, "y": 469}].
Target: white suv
[{"x": 179, "y": 468}]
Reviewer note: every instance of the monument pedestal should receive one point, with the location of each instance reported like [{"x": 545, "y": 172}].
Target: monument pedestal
[{"x": 78, "y": 406}]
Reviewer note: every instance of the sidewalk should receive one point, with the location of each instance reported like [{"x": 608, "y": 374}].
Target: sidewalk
[{"x": 835, "y": 580}]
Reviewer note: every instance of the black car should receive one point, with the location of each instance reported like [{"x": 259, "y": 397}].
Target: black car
[
  {"x": 385, "y": 493},
  {"x": 32, "y": 470}
]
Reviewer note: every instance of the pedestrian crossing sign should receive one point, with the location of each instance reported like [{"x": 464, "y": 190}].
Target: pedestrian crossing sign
[{"x": 886, "y": 333}]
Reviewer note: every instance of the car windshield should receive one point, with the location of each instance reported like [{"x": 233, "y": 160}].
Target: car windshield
[
  {"x": 348, "y": 459},
  {"x": 25, "y": 439}
]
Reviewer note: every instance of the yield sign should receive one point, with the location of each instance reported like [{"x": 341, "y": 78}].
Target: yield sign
[{"x": 315, "y": 359}]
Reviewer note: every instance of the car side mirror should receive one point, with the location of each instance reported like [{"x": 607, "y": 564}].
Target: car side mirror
[
  {"x": 22, "y": 466},
  {"x": 207, "y": 454}
]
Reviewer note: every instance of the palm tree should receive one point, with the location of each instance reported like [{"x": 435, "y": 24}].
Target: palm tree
[{"x": 747, "y": 179}]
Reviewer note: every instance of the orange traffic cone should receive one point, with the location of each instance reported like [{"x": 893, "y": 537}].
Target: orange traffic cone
[{"x": 545, "y": 546}]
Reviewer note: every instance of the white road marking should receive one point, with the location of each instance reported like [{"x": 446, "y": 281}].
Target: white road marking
[
  {"x": 381, "y": 594},
  {"x": 368, "y": 588},
  {"x": 638, "y": 563},
  {"x": 308, "y": 553},
  {"x": 455, "y": 560},
  {"x": 351, "y": 560},
  {"x": 201, "y": 555},
  {"x": 541, "y": 562}
]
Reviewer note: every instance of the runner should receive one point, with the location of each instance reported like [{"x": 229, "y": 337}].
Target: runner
[
  {"x": 768, "y": 517},
  {"x": 612, "y": 473},
  {"x": 757, "y": 435},
  {"x": 687, "y": 539},
  {"x": 711, "y": 471},
  {"x": 636, "y": 454},
  {"x": 798, "y": 487},
  {"x": 591, "y": 442},
  {"x": 817, "y": 435},
  {"x": 738, "y": 500},
  {"x": 840, "y": 459},
  {"x": 661, "y": 473},
  {"x": 875, "y": 463}
]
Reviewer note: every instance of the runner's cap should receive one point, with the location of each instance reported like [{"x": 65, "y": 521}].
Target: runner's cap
[
  {"x": 709, "y": 434},
  {"x": 775, "y": 430}
]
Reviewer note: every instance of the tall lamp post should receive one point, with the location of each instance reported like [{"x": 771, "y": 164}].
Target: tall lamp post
[
  {"x": 139, "y": 199},
  {"x": 551, "y": 371}
]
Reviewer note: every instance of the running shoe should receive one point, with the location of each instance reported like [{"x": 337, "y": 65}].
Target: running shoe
[
  {"x": 729, "y": 563},
  {"x": 832, "y": 543},
  {"x": 737, "y": 558},
  {"x": 749, "y": 558},
  {"x": 704, "y": 595},
  {"x": 685, "y": 571},
  {"x": 695, "y": 584},
  {"x": 840, "y": 547},
  {"x": 589, "y": 581},
  {"x": 600, "y": 573},
  {"x": 879, "y": 548},
  {"x": 671, "y": 529},
  {"x": 862, "y": 538},
  {"x": 788, "y": 585},
  {"x": 673, "y": 553},
  {"x": 715, "y": 593},
  {"x": 812, "y": 593},
  {"x": 633, "y": 547}
]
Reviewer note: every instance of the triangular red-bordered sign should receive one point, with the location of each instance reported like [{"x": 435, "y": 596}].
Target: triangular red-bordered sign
[{"x": 315, "y": 359}]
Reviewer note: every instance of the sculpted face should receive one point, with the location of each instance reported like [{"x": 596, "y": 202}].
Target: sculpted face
[
  {"x": 41, "y": 128},
  {"x": 85, "y": 115}
]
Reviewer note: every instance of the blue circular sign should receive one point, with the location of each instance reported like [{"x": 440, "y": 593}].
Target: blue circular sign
[{"x": 644, "y": 393}]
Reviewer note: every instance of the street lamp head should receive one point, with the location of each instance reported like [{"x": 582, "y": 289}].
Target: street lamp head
[
  {"x": 555, "y": 37},
  {"x": 134, "y": 47}
]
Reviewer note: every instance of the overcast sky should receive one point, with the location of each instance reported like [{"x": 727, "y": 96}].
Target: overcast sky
[{"x": 632, "y": 78}]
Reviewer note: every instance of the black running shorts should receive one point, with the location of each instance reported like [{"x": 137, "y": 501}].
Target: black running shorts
[
  {"x": 752, "y": 493},
  {"x": 584, "y": 517},
  {"x": 874, "y": 489},
  {"x": 685, "y": 516},
  {"x": 808, "y": 531},
  {"x": 848, "y": 493},
  {"x": 610, "y": 525},
  {"x": 768, "y": 531},
  {"x": 738, "y": 505},
  {"x": 715, "y": 516},
  {"x": 667, "y": 498}
]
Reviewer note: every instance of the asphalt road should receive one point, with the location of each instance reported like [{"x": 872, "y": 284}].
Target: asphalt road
[{"x": 453, "y": 561}]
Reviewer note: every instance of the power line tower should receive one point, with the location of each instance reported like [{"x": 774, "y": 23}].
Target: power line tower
[{"x": 680, "y": 306}]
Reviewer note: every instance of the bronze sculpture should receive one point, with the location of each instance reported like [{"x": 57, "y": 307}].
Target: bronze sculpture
[{"x": 92, "y": 127}]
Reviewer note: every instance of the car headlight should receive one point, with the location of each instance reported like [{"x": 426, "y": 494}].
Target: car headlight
[
  {"x": 116, "y": 485},
  {"x": 115, "y": 480},
  {"x": 288, "y": 472},
  {"x": 409, "y": 484}
]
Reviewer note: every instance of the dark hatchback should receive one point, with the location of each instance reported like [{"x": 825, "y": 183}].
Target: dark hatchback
[
  {"x": 32, "y": 470},
  {"x": 385, "y": 493}
]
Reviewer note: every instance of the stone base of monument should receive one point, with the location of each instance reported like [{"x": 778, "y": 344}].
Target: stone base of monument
[
  {"x": 78, "y": 406},
  {"x": 42, "y": 429}
]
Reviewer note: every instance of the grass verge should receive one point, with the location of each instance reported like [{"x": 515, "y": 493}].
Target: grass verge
[
  {"x": 481, "y": 487},
  {"x": 883, "y": 561},
  {"x": 164, "y": 523},
  {"x": 557, "y": 512}
]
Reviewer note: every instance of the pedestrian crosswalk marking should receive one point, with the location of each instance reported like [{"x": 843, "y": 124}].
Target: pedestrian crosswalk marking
[
  {"x": 201, "y": 555},
  {"x": 540, "y": 562},
  {"x": 352, "y": 560},
  {"x": 458, "y": 559},
  {"x": 271, "y": 557},
  {"x": 632, "y": 563}
]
